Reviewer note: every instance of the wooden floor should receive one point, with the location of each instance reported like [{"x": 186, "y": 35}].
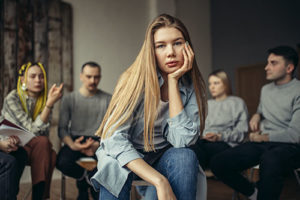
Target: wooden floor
[{"x": 216, "y": 190}]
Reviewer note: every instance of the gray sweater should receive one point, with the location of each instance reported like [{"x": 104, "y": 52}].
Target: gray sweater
[
  {"x": 279, "y": 108},
  {"x": 80, "y": 115},
  {"x": 228, "y": 117}
]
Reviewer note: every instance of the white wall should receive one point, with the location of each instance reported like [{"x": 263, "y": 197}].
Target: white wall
[
  {"x": 195, "y": 14},
  {"x": 111, "y": 32},
  {"x": 108, "y": 32}
]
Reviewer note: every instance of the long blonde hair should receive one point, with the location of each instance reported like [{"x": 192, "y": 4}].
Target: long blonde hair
[
  {"x": 141, "y": 79},
  {"x": 22, "y": 93}
]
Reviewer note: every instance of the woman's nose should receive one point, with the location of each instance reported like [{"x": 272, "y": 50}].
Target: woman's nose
[{"x": 170, "y": 51}]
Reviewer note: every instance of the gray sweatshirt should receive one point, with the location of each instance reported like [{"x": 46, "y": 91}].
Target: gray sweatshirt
[
  {"x": 228, "y": 117},
  {"x": 80, "y": 115},
  {"x": 279, "y": 108}
]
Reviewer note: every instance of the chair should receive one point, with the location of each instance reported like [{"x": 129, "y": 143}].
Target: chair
[
  {"x": 63, "y": 187},
  {"x": 28, "y": 192},
  {"x": 296, "y": 172},
  {"x": 86, "y": 163},
  {"x": 133, "y": 193}
]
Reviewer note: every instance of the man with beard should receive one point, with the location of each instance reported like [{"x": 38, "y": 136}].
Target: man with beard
[
  {"x": 275, "y": 133},
  {"x": 81, "y": 113}
]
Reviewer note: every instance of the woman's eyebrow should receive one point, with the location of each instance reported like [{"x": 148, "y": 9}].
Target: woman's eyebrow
[{"x": 179, "y": 38}]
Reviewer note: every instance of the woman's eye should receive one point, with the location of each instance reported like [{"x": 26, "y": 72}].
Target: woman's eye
[
  {"x": 159, "y": 46},
  {"x": 178, "y": 43}
]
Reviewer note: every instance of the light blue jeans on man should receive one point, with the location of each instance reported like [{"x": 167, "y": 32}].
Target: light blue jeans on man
[{"x": 178, "y": 165}]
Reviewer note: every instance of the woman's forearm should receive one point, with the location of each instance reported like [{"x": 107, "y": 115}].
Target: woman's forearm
[
  {"x": 146, "y": 172},
  {"x": 175, "y": 102}
]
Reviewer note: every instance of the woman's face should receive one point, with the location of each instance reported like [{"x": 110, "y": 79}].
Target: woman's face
[
  {"x": 35, "y": 81},
  {"x": 168, "y": 44},
  {"x": 216, "y": 87}
]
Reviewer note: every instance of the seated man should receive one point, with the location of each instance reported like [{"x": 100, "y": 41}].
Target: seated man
[
  {"x": 81, "y": 113},
  {"x": 275, "y": 137},
  {"x": 12, "y": 162}
]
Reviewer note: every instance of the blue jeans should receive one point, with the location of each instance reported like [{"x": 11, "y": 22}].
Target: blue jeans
[
  {"x": 11, "y": 169},
  {"x": 178, "y": 165}
]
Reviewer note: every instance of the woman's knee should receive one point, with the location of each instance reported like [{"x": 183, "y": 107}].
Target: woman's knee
[
  {"x": 182, "y": 156},
  {"x": 42, "y": 145}
]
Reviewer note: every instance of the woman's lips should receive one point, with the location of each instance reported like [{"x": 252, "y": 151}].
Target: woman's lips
[{"x": 172, "y": 64}]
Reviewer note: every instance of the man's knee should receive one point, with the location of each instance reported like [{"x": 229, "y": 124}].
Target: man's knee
[
  {"x": 272, "y": 164},
  {"x": 217, "y": 164}
]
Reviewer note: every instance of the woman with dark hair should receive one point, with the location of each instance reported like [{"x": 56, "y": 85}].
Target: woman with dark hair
[
  {"x": 30, "y": 106},
  {"x": 226, "y": 124},
  {"x": 157, "y": 110}
]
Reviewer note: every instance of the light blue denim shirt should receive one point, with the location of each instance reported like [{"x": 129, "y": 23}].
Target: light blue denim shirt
[{"x": 119, "y": 149}]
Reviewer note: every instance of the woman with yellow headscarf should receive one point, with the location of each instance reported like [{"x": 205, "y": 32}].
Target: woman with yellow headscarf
[{"x": 29, "y": 106}]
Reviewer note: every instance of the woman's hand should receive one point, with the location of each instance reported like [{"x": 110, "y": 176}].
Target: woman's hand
[
  {"x": 54, "y": 94},
  {"x": 188, "y": 56},
  {"x": 164, "y": 191},
  {"x": 10, "y": 144}
]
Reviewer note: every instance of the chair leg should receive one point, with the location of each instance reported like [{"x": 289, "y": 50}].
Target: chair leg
[
  {"x": 235, "y": 196},
  {"x": 296, "y": 172},
  {"x": 63, "y": 187}
]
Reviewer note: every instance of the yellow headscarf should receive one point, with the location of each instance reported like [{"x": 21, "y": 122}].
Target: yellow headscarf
[{"x": 41, "y": 101}]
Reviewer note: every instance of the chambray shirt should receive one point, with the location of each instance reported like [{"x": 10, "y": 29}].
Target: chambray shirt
[{"x": 119, "y": 149}]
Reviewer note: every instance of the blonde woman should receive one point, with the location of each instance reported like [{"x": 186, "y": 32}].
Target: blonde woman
[
  {"x": 30, "y": 106},
  {"x": 157, "y": 110},
  {"x": 226, "y": 124}
]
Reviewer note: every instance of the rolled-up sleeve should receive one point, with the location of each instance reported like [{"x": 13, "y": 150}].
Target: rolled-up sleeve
[
  {"x": 184, "y": 128},
  {"x": 114, "y": 153},
  {"x": 119, "y": 147}
]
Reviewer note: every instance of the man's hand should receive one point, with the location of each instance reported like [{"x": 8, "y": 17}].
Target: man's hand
[
  {"x": 254, "y": 122},
  {"x": 257, "y": 137},
  {"x": 90, "y": 151},
  {"x": 212, "y": 137},
  {"x": 77, "y": 145}
]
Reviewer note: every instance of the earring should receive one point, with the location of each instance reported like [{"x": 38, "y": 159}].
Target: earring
[{"x": 23, "y": 87}]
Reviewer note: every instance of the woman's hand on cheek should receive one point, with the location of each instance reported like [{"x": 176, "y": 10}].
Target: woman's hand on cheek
[{"x": 188, "y": 56}]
